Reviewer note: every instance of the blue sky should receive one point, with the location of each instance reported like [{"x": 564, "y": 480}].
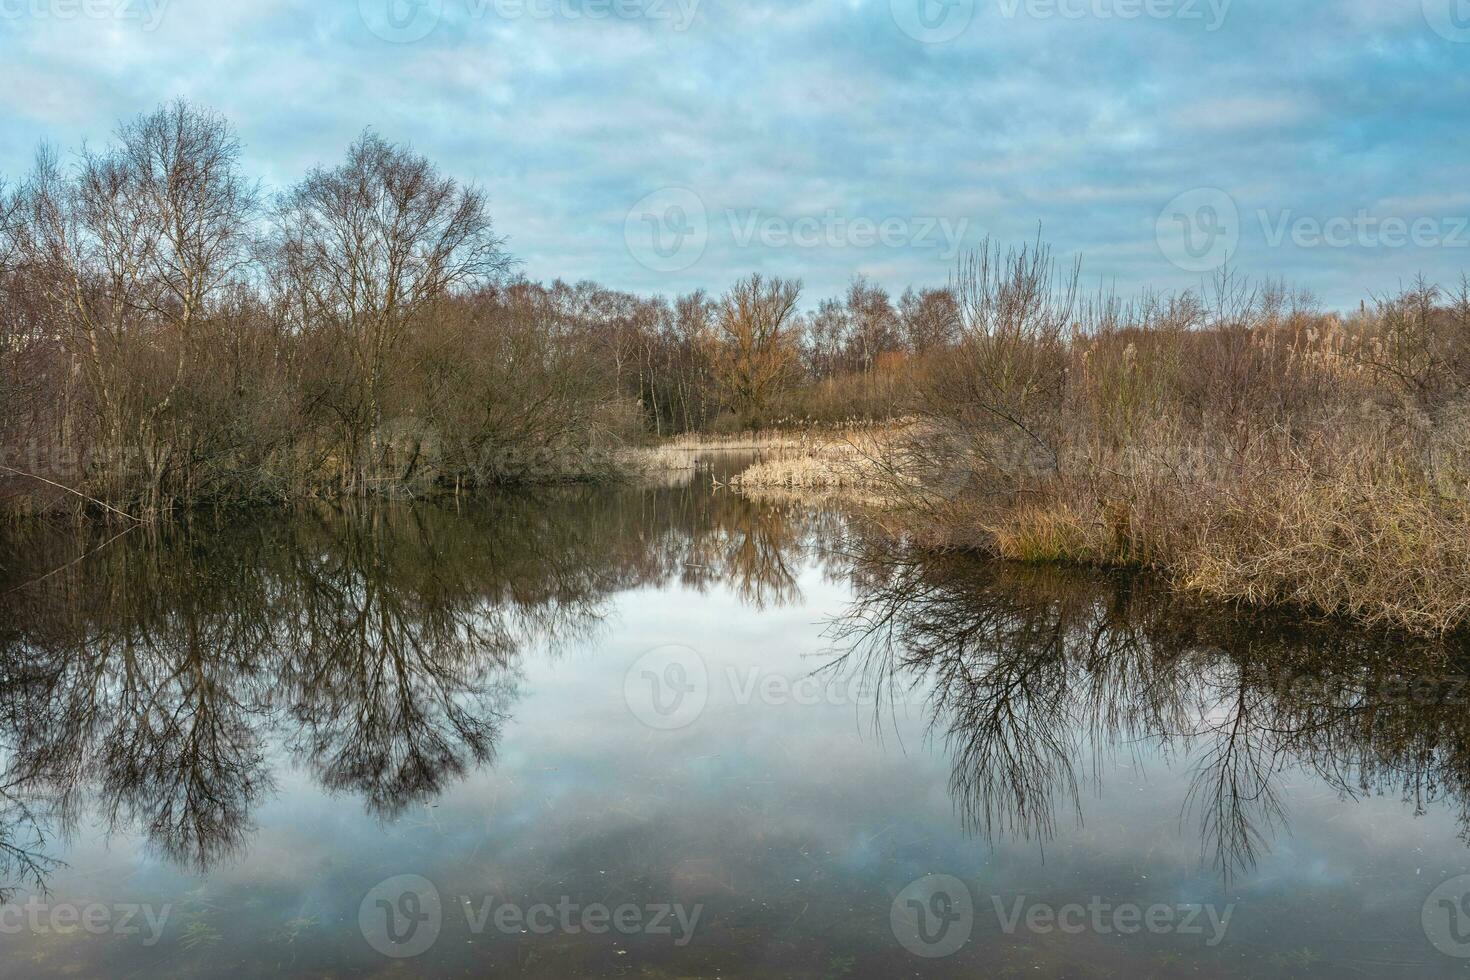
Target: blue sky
[{"x": 660, "y": 145}]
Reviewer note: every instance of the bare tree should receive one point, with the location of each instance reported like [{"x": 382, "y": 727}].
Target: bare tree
[
  {"x": 367, "y": 247},
  {"x": 1010, "y": 364},
  {"x": 826, "y": 333},
  {"x": 755, "y": 327},
  {"x": 82, "y": 245},
  {"x": 874, "y": 323},
  {"x": 142, "y": 236},
  {"x": 184, "y": 166},
  {"x": 930, "y": 319}
]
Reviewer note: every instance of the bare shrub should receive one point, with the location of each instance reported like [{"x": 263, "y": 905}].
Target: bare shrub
[{"x": 1247, "y": 444}]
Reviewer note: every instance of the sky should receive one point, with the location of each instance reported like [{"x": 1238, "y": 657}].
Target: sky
[{"x": 666, "y": 145}]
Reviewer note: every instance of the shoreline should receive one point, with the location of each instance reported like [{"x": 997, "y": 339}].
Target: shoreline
[{"x": 1375, "y": 553}]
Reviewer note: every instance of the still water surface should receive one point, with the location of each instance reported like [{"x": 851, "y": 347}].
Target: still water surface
[{"x": 665, "y": 732}]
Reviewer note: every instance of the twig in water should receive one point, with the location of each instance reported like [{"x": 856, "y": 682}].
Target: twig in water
[{"x": 62, "y": 486}]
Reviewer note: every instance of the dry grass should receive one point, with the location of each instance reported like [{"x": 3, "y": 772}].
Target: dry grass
[
  {"x": 1346, "y": 502},
  {"x": 653, "y": 460},
  {"x": 1381, "y": 553},
  {"x": 767, "y": 440},
  {"x": 828, "y": 467},
  {"x": 1347, "y": 522},
  {"x": 1244, "y": 444},
  {"x": 682, "y": 454},
  {"x": 1045, "y": 535},
  {"x": 852, "y": 461},
  {"x": 819, "y": 458},
  {"x": 786, "y": 438}
]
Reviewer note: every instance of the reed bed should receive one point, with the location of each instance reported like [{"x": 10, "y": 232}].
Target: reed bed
[{"x": 1250, "y": 448}]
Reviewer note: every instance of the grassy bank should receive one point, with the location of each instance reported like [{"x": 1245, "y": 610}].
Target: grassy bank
[
  {"x": 1243, "y": 443},
  {"x": 1376, "y": 542},
  {"x": 1380, "y": 536}
]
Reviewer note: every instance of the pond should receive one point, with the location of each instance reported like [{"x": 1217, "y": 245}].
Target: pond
[{"x": 673, "y": 732}]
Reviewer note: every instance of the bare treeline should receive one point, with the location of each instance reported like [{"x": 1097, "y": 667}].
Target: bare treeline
[
  {"x": 170, "y": 334},
  {"x": 176, "y": 338}
]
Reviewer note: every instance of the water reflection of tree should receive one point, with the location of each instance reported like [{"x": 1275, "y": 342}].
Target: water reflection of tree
[
  {"x": 401, "y": 665},
  {"x": 380, "y": 647},
  {"x": 1037, "y": 677},
  {"x": 703, "y": 540},
  {"x": 22, "y": 861},
  {"x": 141, "y": 686}
]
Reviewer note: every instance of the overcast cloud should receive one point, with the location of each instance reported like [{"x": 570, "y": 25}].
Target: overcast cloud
[{"x": 1328, "y": 142}]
